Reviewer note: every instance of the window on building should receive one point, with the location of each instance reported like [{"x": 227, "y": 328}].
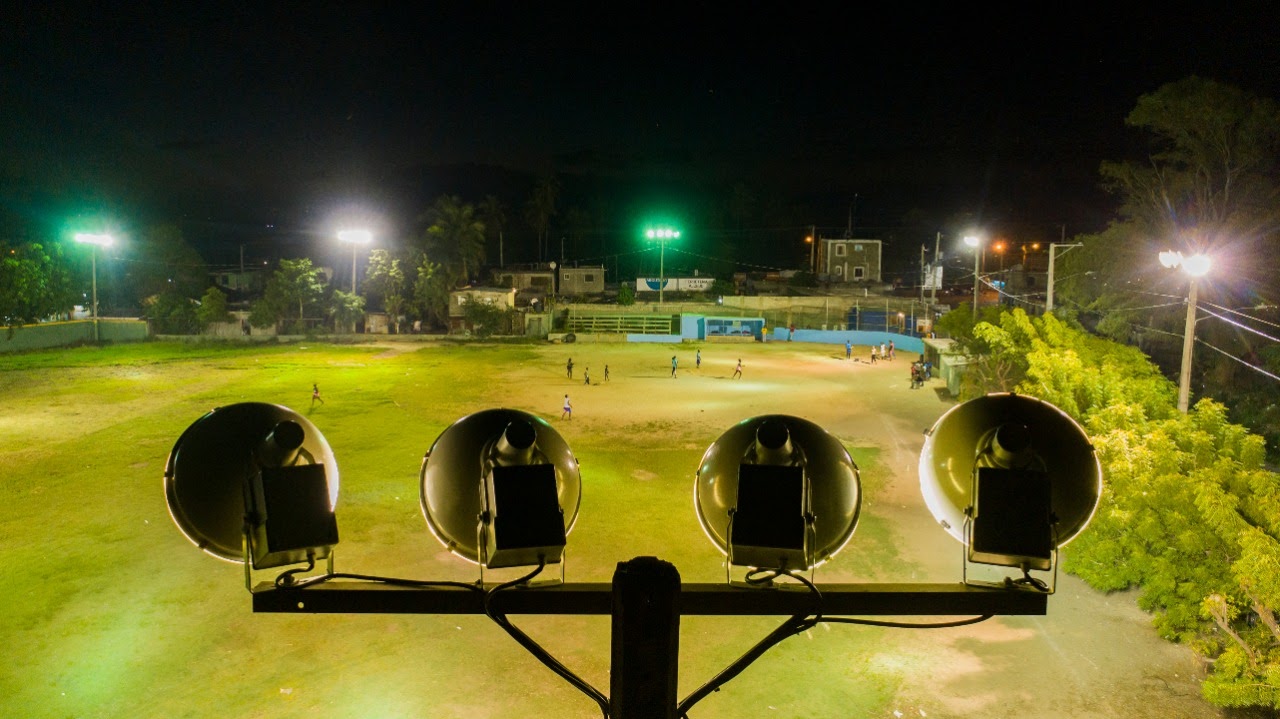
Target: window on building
[
  {"x": 839, "y": 270},
  {"x": 859, "y": 273},
  {"x": 566, "y": 276},
  {"x": 588, "y": 278},
  {"x": 857, "y": 248},
  {"x": 840, "y": 250}
]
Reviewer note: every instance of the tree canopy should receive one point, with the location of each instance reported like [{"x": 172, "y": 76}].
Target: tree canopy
[
  {"x": 35, "y": 283},
  {"x": 1189, "y": 516}
]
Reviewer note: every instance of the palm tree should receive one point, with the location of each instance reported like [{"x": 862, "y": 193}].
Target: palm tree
[
  {"x": 541, "y": 208},
  {"x": 494, "y": 216},
  {"x": 455, "y": 237}
]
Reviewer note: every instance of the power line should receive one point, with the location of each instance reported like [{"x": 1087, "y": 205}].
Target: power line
[{"x": 1230, "y": 321}]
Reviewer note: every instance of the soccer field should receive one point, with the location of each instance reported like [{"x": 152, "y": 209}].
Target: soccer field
[{"x": 110, "y": 612}]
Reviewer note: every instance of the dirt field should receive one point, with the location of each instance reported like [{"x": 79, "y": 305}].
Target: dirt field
[{"x": 1092, "y": 656}]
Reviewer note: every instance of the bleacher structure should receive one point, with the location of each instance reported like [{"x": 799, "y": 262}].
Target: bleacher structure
[{"x": 646, "y": 324}]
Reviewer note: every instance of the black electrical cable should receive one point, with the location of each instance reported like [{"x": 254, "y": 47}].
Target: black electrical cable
[
  {"x": 286, "y": 579},
  {"x": 907, "y": 625},
  {"x": 536, "y": 649},
  {"x": 791, "y": 627}
]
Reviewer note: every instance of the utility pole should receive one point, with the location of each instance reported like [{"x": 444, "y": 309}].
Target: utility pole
[
  {"x": 1053, "y": 248},
  {"x": 813, "y": 261},
  {"x": 923, "y": 276},
  {"x": 933, "y": 270}
]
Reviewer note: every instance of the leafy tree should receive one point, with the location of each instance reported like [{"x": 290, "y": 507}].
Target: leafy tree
[
  {"x": 1189, "y": 513},
  {"x": 171, "y": 313},
  {"x": 431, "y": 292},
  {"x": 455, "y": 237},
  {"x": 346, "y": 309},
  {"x": 35, "y": 283},
  {"x": 295, "y": 284},
  {"x": 1209, "y": 182},
  {"x": 626, "y": 295},
  {"x": 213, "y": 308},
  {"x": 386, "y": 280},
  {"x": 720, "y": 288},
  {"x": 485, "y": 319}
]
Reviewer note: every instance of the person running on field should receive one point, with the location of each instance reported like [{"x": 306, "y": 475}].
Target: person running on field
[
  {"x": 737, "y": 371},
  {"x": 586, "y": 376},
  {"x": 568, "y": 409},
  {"x": 891, "y": 353},
  {"x": 697, "y": 360},
  {"x": 568, "y": 368},
  {"x": 673, "y": 366},
  {"x": 315, "y": 394},
  {"x": 606, "y": 373}
]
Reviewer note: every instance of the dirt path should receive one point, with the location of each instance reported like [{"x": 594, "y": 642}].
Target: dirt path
[{"x": 1092, "y": 656}]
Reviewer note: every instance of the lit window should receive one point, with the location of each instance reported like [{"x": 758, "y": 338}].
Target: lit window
[{"x": 857, "y": 248}]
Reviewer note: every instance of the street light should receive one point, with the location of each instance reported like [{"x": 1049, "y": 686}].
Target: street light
[
  {"x": 976, "y": 243},
  {"x": 662, "y": 235},
  {"x": 356, "y": 238},
  {"x": 97, "y": 241},
  {"x": 1196, "y": 266}
]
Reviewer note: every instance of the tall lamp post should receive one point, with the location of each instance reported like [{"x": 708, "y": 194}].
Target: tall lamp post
[
  {"x": 976, "y": 243},
  {"x": 662, "y": 235},
  {"x": 96, "y": 241},
  {"x": 1196, "y": 267},
  {"x": 356, "y": 238}
]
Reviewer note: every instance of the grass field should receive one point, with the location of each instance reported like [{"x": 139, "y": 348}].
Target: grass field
[{"x": 110, "y": 612}]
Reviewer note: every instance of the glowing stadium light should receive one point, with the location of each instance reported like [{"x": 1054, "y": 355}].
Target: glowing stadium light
[
  {"x": 501, "y": 488},
  {"x": 1013, "y": 478},
  {"x": 777, "y": 492},
  {"x": 255, "y": 483}
]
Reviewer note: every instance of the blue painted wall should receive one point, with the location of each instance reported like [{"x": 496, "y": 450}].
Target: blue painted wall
[{"x": 860, "y": 339}]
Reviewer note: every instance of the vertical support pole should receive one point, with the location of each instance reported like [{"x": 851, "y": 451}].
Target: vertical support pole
[
  {"x": 662, "y": 274},
  {"x": 1188, "y": 344},
  {"x": 645, "y": 660},
  {"x": 94, "y": 271},
  {"x": 933, "y": 271}
]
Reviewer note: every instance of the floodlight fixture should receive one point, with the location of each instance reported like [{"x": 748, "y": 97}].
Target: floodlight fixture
[
  {"x": 254, "y": 483},
  {"x": 777, "y": 492},
  {"x": 501, "y": 488},
  {"x": 1013, "y": 478},
  {"x": 98, "y": 239},
  {"x": 662, "y": 234},
  {"x": 356, "y": 236}
]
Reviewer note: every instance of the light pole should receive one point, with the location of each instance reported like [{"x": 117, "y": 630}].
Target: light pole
[
  {"x": 662, "y": 235},
  {"x": 1196, "y": 267},
  {"x": 96, "y": 241},
  {"x": 356, "y": 238},
  {"x": 976, "y": 243}
]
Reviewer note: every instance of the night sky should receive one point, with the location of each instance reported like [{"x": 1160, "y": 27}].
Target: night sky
[{"x": 237, "y": 119}]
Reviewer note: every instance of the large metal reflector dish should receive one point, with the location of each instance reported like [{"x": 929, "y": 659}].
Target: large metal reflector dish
[
  {"x": 1012, "y": 432},
  {"x": 463, "y": 457},
  {"x": 204, "y": 479},
  {"x": 772, "y": 447}
]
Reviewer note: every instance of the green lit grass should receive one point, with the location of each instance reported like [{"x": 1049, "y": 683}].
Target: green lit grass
[{"x": 111, "y": 613}]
